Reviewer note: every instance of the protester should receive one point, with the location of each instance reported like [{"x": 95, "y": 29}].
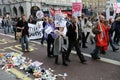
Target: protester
[
  {"x": 60, "y": 43},
  {"x": 107, "y": 28},
  {"x": 22, "y": 26},
  {"x": 74, "y": 36},
  {"x": 16, "y": 19},
  {"x": 31, "y": 20},
  {"x": 10, "y": 24},
  {"x": 111, "y": 24},
  {"x": 4, "y": 25},
  {"x": 101, "y": 38},
  {"x": 45, "y": 20},
  {"x": 83, "y": 24},
  {"x": 117, "y": 30},
  {"x": 89, "y": 27},
  {"x": 50, "y": 36}
]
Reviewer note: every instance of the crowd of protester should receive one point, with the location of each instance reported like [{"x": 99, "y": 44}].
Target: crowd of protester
[{"x": 101, "y": 33}]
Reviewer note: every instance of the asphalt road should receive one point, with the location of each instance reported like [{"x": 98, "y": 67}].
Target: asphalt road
[{"x": 93, "y": 70}]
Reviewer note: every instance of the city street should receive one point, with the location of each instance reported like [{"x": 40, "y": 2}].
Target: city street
[
  {"x": 108, "y": 68},
  {"x": 37, "y": 35}
]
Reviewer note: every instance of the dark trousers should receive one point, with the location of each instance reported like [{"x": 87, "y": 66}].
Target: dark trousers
[
  {"x": 63, "y": 58},
  {"x": 50, "y": 45},
  {"x": 83, "y": 39},
  {"x": 42, "y": 39},
  {"x": 111, "y": 42},
  {"x": 117, "y": 37},
  {"x": 77, "y": 47},
  {"x": 15, "y": 30},
  {"x": 86, "y": 37},
  {"x": 96, "y": 51}
]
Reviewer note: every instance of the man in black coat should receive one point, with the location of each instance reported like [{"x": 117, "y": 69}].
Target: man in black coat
[
  {"x": 74, "y": 36},
  {"x": 22, "y": 26}
]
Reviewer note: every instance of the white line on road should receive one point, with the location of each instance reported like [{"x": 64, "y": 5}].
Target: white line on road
[{"x": 85, "y": 54}]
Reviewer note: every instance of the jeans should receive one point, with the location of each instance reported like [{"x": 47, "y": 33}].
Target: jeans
[
  {"x": 10, "y": 29},
  {"x": 5, "y": 29},
  {"x": 96, "y": 51},
  {"x": 111, "y": 42},
  {"x": 25, "y": 43}
]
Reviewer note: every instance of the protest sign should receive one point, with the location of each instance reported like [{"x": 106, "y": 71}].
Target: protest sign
[
  {"x": 48, "y": 30},
  {"x": 39, "y": 14},
  {"x": 77, "y": 8},
  {"x": 59, "y": 20},
  {"x": 116, "y": 7}
]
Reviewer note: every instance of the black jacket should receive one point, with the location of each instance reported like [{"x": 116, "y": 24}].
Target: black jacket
[
  {"x": 71, "y": 33},
  {"x": 25, "y": 25}
]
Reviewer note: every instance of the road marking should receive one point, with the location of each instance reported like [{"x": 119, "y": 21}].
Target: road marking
[
  {"x": 85, "y": 54},
  {"x": 88, "y": 55},
  {"x": 19, "y": 74}
]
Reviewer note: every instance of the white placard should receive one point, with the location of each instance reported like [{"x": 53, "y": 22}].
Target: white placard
[
  {"x": 39, "y": 14},
  {"x": 48, "y": 30},
  {"x": 35, "y": 31}
]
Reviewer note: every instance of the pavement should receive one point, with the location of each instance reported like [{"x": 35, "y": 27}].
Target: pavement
[
  {"x": 6, "y": 76},
  {"x": 103, "y": 69}
]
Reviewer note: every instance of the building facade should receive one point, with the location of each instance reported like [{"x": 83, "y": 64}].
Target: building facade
[
  {"x": 27, "y": 7},
  {"x": 100, "y": 5},
  {"x": 109, "y": 3}
]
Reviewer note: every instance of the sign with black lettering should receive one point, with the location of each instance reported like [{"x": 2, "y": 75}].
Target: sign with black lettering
[{"x": 35, "y": 31}]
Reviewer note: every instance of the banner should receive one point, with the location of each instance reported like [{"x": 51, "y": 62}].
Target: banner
[
  {"x": 35, "y": 31},
  {"x": 77, "y": 8}
]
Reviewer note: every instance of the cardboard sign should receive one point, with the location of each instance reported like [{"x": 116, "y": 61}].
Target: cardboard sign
[
  {"x": 116, "y": 7},
  {"x": 35, "y": 31},
  {"x": 39, "y": 14},
  {"x": 48, "y": 30},
  {"x": 77, "y": 8}
]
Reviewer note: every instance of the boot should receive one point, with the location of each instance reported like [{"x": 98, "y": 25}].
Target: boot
[
  {"x": 82, "y": 59},
  {"x": 56, "y": 59},
  {"x": 63, "y": 58}
]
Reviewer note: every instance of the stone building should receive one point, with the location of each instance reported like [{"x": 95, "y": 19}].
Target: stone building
[
  {"x": 27, "y": 7},
  {"x": 100, "y": 5}
]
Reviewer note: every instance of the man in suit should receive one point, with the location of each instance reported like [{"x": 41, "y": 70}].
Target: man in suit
[{"x": 74, "y": 36}]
